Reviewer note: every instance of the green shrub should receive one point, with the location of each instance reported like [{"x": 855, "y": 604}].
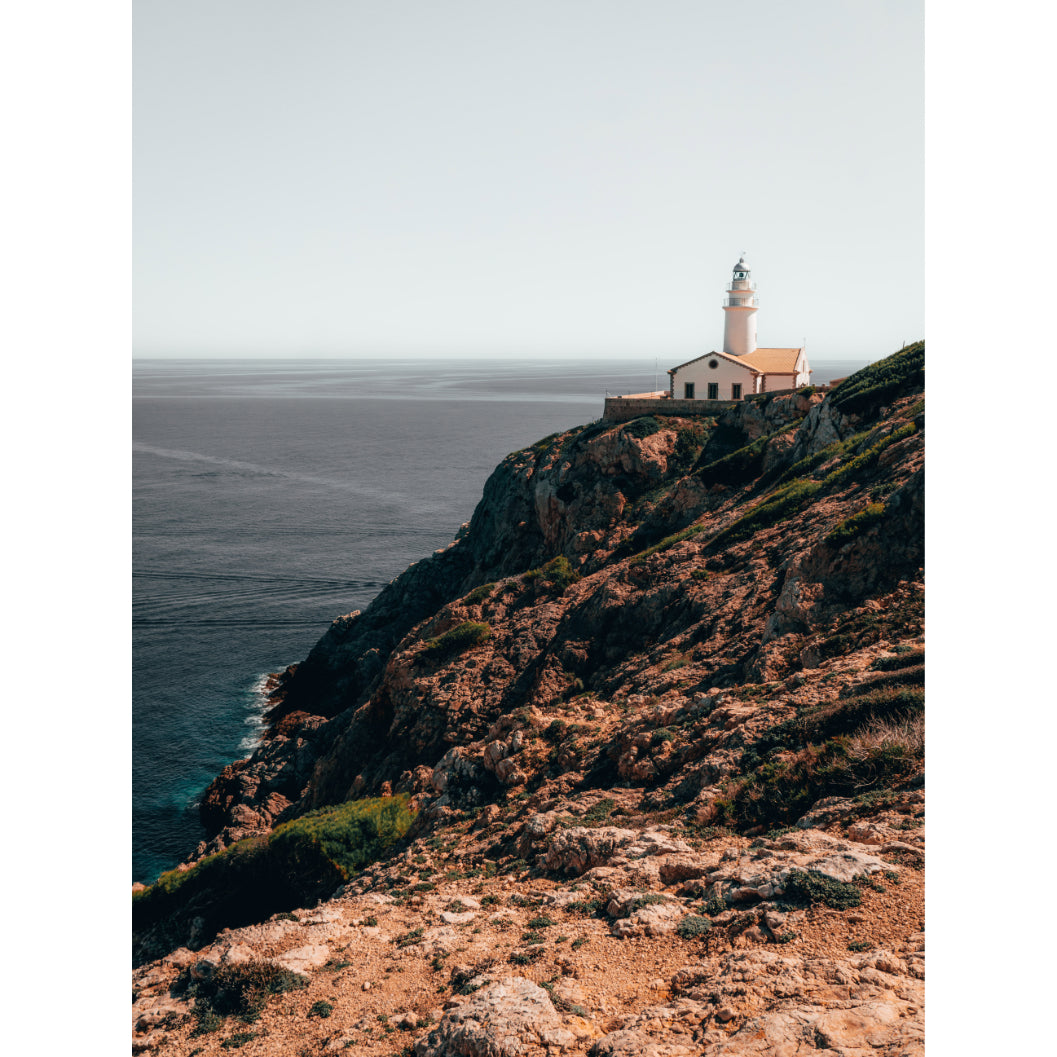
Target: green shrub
[
  {"x": 479, "y": 594},
  {"x": 407, "y": 939},
  {"x": 859, "y": 945},
  {"x": 647, "y": 899},
  {"x": 643, "y": 427},
  {"x": 469, "y": 633},
  {"x": 692, "y": 926},
  {"x": 811, "y": 887},
  {"x": 688, "y": 443},
  {"x": 881, "y": 382},
  {"x": 299, "y": 862},
  {"x": 322, "y": 1008},
  {"x": 558, "y": 573},
  {"x": 857, "y": 524},
  {"x": 716, "y": 905},
  {"x": 598, "y": 812},
  {"x": 236, "y": 991},
  {"x": 238, "y": 1039}
]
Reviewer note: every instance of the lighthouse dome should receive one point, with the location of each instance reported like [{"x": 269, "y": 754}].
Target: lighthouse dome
[{"x": 741, "y": 266}]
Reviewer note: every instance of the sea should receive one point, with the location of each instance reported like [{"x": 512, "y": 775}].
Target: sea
[{"x": 271, "y": 496}]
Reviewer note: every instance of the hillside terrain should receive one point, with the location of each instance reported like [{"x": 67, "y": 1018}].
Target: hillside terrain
[{"x": 633, "y": 767}]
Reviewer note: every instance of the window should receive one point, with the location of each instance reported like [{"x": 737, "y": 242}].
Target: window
[
  {"x": 688, "y": 390},
  {"x": 713, "y": 390},
  {"x": 735, "y": 391}
]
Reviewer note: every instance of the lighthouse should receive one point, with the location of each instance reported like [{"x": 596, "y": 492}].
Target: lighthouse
[
  {"x": 742, "y": 369},
  {"x": 739, "y": 310}
]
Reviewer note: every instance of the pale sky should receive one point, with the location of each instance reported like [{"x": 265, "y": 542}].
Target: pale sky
[{"x": 349, "y": 178}]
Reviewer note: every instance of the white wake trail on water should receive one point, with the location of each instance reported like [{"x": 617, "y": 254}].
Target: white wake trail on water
[{"x": 398, "y": 499}]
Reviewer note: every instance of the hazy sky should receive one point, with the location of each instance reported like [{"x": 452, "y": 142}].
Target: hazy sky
[{"x": 338, "y": 177}]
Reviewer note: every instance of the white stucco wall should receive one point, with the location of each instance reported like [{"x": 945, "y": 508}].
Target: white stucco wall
[
  {"x": 724, "y": 375},
  {"x": 739, "y": 329}
]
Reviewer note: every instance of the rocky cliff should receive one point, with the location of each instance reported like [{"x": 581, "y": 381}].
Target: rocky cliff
[{"x": 660, "y": 705}]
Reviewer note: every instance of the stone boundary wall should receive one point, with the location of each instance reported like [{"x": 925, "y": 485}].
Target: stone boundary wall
[{"x": 625, "y": 408}]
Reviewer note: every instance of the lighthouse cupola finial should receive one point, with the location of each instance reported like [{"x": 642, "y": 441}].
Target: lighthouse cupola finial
[{"x": 739, "y": 307}]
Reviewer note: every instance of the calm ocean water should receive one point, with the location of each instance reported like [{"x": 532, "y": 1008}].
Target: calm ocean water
[{"x": 270, "y": 496}]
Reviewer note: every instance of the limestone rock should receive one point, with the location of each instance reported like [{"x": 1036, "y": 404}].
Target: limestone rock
[
  {"x": 574, "y": 851},
  {"x": 301, "y": 959},
  {"x": 511, "y": 1018}
]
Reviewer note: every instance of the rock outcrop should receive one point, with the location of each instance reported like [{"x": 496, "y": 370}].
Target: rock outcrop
[{"x": 658, "y": 711}]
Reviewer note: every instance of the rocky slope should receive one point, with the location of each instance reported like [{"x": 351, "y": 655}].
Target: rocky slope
[{"x": 658, "y": 712}]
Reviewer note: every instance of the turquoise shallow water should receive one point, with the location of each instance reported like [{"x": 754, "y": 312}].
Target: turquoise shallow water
[{"x": 271, "y": 496}]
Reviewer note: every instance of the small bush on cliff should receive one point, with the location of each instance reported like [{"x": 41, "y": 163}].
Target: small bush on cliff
[
  {"x": 236, "y": 991},
  {"x": 692, "y": 926},
  {"x": 810, "y": 887},
  {"x": 643, "y": 427},
  {"x": 558, "y": 573},
  {"x": 469, "y": 633},
  {"x": 479, "y": 594},
  {"x": 857, "y": 524}
]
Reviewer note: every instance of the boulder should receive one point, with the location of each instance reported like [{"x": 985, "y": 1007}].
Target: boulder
[
  {"x": 574, "y": 851},
  {"x": 511, "y": 1018},
  {"x": 300, "y": 959}
]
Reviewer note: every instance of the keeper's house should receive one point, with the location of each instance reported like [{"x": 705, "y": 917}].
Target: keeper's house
[{"x": 742, "y": 368}]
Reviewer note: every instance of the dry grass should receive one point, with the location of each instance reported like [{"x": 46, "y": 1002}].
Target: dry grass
[{"x": 887, "y": 737}]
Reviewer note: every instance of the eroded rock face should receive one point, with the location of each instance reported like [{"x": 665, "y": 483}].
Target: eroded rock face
[
  {"x": 579, "y": 770},
  {"x": 511, "y": 1018}
]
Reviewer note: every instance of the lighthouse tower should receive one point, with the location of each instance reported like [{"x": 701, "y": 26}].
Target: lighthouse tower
[{"x": 739, "y": 308}]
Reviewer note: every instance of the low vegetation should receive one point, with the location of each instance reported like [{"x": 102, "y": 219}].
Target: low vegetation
[
  {"x": 643, "y": 427},
  {"x": 296, "y": 864},
  {"x": 857, "y": 524},
  {"x": 744, "y": 464},
  {"x": 811, "y": 887},
  {"x": 469, "y": 633},
  {"x": 881, "y": 382},
  {"x": 558, "y": 574},
  {"x": 240, "y": 991}
]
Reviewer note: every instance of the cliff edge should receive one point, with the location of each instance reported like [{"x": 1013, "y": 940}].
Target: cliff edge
[{"x": 656, "y": 719}]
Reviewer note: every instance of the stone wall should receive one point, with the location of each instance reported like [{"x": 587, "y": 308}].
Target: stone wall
[{"x": 625, "y": 408}]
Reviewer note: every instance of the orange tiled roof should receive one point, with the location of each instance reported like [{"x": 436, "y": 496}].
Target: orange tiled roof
[
  {"x": 759, "y": 361},
  {"x": 773, "y": 361}
]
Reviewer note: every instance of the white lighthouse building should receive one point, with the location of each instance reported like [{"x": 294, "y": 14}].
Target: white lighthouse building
[
  {"x": 739, "y": 311},
  {"x": 742, "y": 368}
]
